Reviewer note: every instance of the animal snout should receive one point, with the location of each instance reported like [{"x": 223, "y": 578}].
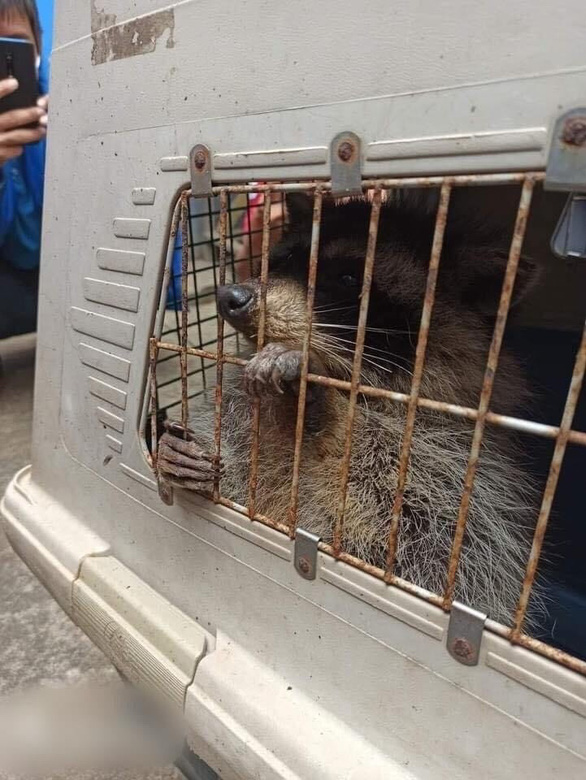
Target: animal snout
[{"x": 235, "y": 302}]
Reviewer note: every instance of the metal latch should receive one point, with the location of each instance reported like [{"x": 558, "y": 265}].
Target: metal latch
[
  {"x": 346, "y": 165},
  {"x": 566, "y": 166},
  {"x": 200, "y": 169},
  {"x": 465, "y": 634},
  {"x": 305, "y": 555},
  {"x": 569, "y": 238}
]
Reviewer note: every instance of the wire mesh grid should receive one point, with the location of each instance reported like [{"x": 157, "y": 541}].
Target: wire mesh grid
[{"x": 242, "y": 222}]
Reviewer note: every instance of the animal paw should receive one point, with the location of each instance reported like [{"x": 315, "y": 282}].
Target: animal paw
[
  {"x": 183, "y": 463},
  {"x": 273, "y": 370}
]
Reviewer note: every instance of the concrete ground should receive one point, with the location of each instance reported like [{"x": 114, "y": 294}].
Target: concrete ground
[{"x": 39, "y": 645}]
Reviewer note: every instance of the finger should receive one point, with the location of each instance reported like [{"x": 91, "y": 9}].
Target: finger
[
  {"x": 43, "y": 102},
  {"x": 22, "y": 137},
  {"x": 7, "y": 86},
  {"x": 20, "y": 117},
  {"x": 185, "y": 448},
  {"x": 201, "y": 465},
  {"x": 170, "y": 471},
  {"x": 9, "y": 153}
]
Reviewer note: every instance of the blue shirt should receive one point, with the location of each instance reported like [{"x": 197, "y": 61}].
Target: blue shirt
[
  {"x": 21, "y": 221},
  {"x": 22, "y": 181}
]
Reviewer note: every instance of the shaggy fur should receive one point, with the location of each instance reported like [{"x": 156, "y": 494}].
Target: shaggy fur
[{"x": 502, "y": 507}]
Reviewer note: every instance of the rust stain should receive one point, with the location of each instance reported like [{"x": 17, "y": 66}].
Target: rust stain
[
  {"x": 101, "y": 19},
  {"x": 574, "y": 131},
  {"x": 129, "y": 39}
]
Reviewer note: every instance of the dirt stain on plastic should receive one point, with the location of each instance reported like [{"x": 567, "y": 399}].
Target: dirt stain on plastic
[
  {"x": 129, "y": 39},
  {"x": 100, "y": 19}
]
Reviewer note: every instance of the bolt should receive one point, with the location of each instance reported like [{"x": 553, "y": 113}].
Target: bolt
[
  {"x": 200, "y": 159},
  {"x": 463, "y": 649},
  {"x": 345, "y": 150},
  {"x": 574, "y": 131},
  {"x": 304, "y": 565}
]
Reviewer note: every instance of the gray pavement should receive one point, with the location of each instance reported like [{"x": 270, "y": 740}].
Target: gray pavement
[{"x": 39, "y": 645}]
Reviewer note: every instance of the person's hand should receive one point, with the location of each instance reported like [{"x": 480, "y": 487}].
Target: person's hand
[
  {"x": 14, "y": 133},
  {"x": 43, "y": 102}
]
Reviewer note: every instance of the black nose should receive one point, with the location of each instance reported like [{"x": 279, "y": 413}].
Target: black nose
[{"x": 234, "y": 300}]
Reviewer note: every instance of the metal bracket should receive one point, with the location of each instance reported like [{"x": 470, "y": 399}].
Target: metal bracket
[
  {"x": 465, "y": 634},
  {"x": 200, "y": 169},
  {"x": 346, "y": 164},
  {"x": 305, "y": 555},
  {"x": 566, "y": 166},
  {"x": 569, "y": 238}
]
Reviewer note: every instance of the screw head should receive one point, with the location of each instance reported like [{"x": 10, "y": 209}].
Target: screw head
[
  {"x": 463, "y": 649},
  {"x": 345, "y": 150},
  {"x": 304, "y": 565},
  {"x": 574, "y": 131},
  {"x": 200, "y": 159}
]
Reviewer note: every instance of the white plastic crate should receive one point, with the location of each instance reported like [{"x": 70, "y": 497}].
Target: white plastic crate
[{"x": 279, "y": 677}]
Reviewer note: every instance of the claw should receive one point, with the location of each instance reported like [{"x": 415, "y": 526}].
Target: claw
[{"x": 272, "y": 370}]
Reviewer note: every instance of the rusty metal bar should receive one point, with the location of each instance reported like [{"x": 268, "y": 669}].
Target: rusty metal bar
[
  {"x": 537, "y": 646},
  {"x": 220, "y": 349},
  {"x": 499, "y": 420},
  {"x": 462, "y": 180},
  {"x": 153, "y": 354},
  {"x": 311, "y": 280},
  {"x": 357, "y": 563},
  {"x": 357, "y": 365},
  {"x": 184, "y": 309},
  {"x": 429, "y": 299},
  {"x": 551, "y": 485},
  {"x": 242, "y": 510},
  {"x": 488, "y": 382},
  {"x": 260, "y": 341}
]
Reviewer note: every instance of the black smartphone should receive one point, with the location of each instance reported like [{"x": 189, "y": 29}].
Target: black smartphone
[{"x": 18, "y": 59}]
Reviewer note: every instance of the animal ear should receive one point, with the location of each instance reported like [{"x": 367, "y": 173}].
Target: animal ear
[
  {"x": 299, "y": 208},
  {"x": 481, "y": 279}
]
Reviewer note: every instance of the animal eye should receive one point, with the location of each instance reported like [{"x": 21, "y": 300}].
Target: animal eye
[{"x": 349, "y": 280}]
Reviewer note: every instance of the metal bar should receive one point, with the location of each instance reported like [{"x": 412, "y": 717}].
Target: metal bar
[
  {"x": 153, "y": 354},
  {"x": 537, "y": 646},
  {"x": 551, "y": 485},
  {"x": 242, "y": 510},
  {"x": 311, "y": 280},
  {"x": 357, "y": 365},
  {"x": 499, "y": 420},
  {"x": 357, "y": 563},
  {"x": 260, "y": 341},
  {"x": 212, "y": 238},
  {"x": 429, "y": 299},
  {"x": 488, "y": 382},
  {"x": 234, "y": 280},
  {"x": 463, "y": 180},
  {"x": 220, "y": 353},
  {"x": 164, "y": 345},
  {"x": 184, "y": 309},
  {"x": 249, "y": 232},
  {"x": 374, "y": 571},
  {"x": 198, "y": 321},
  {"x": 174, "y": 229}
]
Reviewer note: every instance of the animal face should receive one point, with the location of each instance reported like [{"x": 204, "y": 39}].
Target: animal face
[{"x": 468, "y": 287}]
